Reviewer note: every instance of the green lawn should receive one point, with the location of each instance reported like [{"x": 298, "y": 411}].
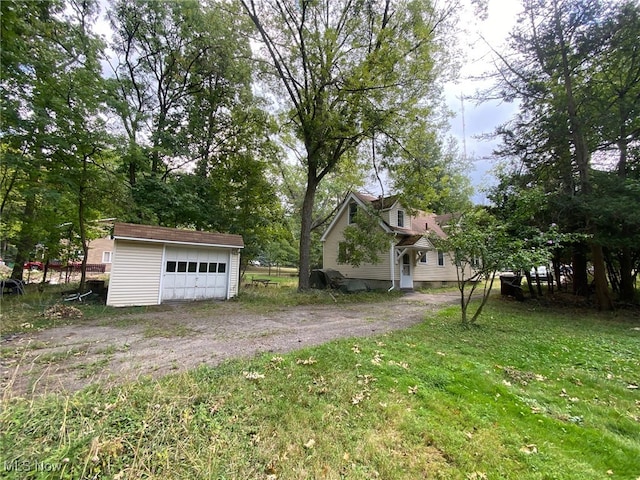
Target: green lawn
[{"x": 530, "y": 393}]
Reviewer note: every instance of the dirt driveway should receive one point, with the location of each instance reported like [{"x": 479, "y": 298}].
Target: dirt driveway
[{"x": 183, "y": 336}]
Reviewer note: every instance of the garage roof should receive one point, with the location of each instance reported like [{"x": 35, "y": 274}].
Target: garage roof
[{"x": 131, "y": 231}]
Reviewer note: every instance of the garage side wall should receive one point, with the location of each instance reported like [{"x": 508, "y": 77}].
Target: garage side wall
[{"x": 135, "y": 274}]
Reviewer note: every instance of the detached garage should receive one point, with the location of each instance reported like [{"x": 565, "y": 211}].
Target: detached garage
[{"x": 155, "y": 264}]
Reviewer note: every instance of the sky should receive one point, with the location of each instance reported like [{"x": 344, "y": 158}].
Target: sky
[{"x": 480, "y": 119}]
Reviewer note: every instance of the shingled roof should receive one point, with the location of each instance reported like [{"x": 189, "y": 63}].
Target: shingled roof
[
  {"x": 131, "y": 231},
  {"x": 421, "y": 222}
]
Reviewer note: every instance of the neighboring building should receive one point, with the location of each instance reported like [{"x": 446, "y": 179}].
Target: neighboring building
[
  {"x": 101, "y": 252},
  {"x": 151, "y": 265},
  {"x": 412, "y": 260}
]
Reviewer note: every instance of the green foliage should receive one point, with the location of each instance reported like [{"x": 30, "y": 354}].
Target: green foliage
[
  {"x": 482, "y": 245},
  {"x": 533, "y": 394},
  {"x": 364, "y": 239},
  {"x": 574, "y": 71},
  {"x": 347, "y": 73},
  {"x": 427, "y": 173}
]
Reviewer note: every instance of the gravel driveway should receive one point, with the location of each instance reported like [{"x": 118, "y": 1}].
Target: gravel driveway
[{"x": 183, "y": 336}]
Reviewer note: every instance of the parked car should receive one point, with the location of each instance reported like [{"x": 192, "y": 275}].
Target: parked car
[
  {"x": 541, "y": 271},
  {"x": 33, "y": 265}
]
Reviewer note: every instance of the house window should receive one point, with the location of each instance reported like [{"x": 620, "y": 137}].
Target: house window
[
  {"x": 106, "y": 257},
  {"x": 400, "y": 218},
  {"x": 353, "y": 209},
  {"x": 440, "y": 258},
  {"x": 171, "y": 267},
  {"x": 423, "y": 258}
]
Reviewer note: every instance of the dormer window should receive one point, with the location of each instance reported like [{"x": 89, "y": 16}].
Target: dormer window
[
  {"x": 401, "y": 218},
  {"x": 353, "y": 209}
]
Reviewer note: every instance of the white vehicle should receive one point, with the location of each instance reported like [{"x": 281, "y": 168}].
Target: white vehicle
[{"x": 541, "y": 272}]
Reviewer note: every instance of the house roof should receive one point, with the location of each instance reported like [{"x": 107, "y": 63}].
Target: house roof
[
  {"x": 422, "y": 223},
  {"x": 131, "y": 231}
]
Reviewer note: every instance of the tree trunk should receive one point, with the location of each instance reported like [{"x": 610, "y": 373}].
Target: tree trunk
[
  {"x": 603, "y": 296},
  {"x": 305, "y": 232},
  {"x": 580, "y": 278},
  {"x": 464, "y": 302},
  {"x": 25, "y": 240},
  {"x": 627, "y": 290},
  {"x": 532, "y": 291}
]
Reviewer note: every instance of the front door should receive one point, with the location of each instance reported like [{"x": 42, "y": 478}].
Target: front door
[{"x": 406, "y": 274}]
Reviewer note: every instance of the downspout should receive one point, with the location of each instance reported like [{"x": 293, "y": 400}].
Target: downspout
[{"x": 393, "y": 263}]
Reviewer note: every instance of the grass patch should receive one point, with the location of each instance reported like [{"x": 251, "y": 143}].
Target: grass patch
[
  {"x": 167, "y": 330},
  {"x": 529, "y": 394}
]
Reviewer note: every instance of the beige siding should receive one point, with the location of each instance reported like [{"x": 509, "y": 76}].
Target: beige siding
[
  {"x": 392, "y": 216},
  {"x": 380, "y": 271},
  {"x": 97, "y": 248},
  {"x": 432, "y": 272},
  {"x": 135, "y": 274}
]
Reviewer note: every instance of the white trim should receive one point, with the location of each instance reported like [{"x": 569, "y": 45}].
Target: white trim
[
  {"x": 228, "y": 294},
  {"x": 163, "y": 266},
  {"x": 174, "y": 242}
]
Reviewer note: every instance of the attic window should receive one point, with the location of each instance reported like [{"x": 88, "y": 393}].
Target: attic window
[
  {"x": 353, "y": 209},
  {"x": 401, "y": 218}
]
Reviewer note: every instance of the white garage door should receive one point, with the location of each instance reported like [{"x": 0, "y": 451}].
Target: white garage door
[{"x": 195, "y": 273}]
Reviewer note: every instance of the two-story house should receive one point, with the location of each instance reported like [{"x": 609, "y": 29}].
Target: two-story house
[{"x": 412, "y": 260}]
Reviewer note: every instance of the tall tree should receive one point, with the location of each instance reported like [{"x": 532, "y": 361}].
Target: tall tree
[
  {"x": 196, "y": 147},
  {"x": 347, "y": 71},
  {"x": 54, "y": 93},
  {"x": 559, "y": 48},
  {"x": 614, "y": 92}
]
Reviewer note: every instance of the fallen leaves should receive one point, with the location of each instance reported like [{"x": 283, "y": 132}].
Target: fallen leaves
[
  {"x": 377, "y": 358},
  {"x": 530, "y": 449},
  {"x": 252, "y": 375},
  {"x": 306, "y": 361},
  {"x": 521, "y": 377},
  {"x": 477, "y": 476},
  {"x": 62, "y": 311}
]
